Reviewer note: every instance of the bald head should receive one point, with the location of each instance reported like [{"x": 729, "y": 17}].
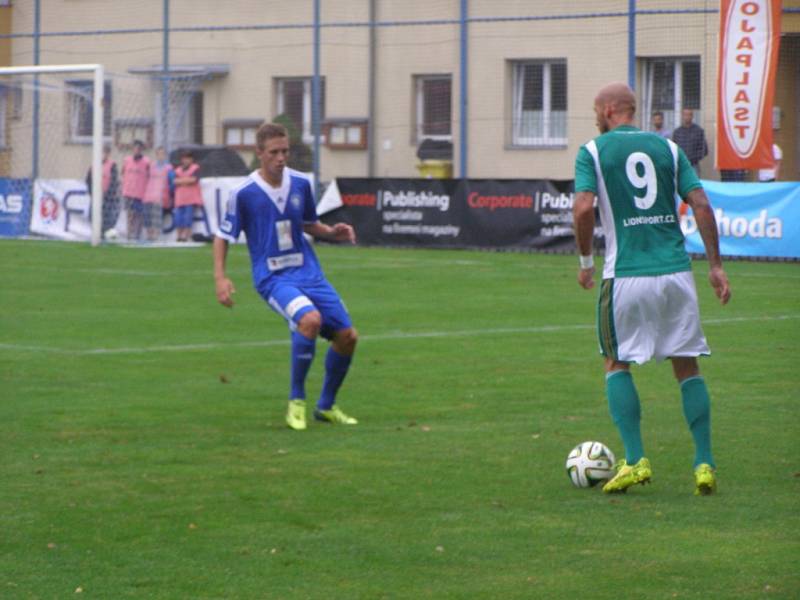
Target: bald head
[
  {"x": 618, "y": 96},
  {"x": 615, "y": 104}
]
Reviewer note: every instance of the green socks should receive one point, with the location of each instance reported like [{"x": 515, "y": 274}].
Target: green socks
[
  {"x": 623, "y": 403},
  {"x": 697, "y": 410}
]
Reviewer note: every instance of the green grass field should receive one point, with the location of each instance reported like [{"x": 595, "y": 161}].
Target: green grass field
[{"x": 144, "y": 454}]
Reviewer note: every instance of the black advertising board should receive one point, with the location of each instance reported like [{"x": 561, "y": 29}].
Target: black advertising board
[{"x": 455, "y": 213}]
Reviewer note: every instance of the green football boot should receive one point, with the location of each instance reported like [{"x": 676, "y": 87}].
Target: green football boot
[
  {"x": 628, "y": 475},
  {"x": 296, "y": 415},
  {"x": 335, "y": 416},
  {"x": 705, "y": 482}
]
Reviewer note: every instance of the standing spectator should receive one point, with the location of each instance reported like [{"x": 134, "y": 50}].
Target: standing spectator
[
  {"x": 187, "y": 194},
  {"x": 691, "y": 138},
  {"x": 157, "y": 194},
  {"x": 110, "y": 185},
  {"x": 771, "y": 174},
  {"x": 135, "y": 172},
  {"x": 658, "y": 125},
  {"x": 648, "y": 303}
]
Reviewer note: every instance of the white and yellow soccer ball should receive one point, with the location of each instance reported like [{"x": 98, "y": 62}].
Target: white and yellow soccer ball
[{"x": 589, "y": 463}]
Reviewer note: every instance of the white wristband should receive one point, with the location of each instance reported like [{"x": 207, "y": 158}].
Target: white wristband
[{"x": 587, "y": 262}]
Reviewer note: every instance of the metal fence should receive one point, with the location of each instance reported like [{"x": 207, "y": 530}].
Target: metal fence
[{"x": 472, "y": 88}]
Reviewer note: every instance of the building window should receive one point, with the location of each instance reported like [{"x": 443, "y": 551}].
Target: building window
[
  {"x": 195, "y": 118},
  {"x": 240, "y": 134},
  {"x": 433, "y": 96},
  {"x": 345, "y": 134},
  {"x": 539, "y": 104},
  {"x": 186, "y": 112},
  {"x": 294, "y": 100},
  {"x": 184, "y": 115},
  {"x": 81, "y": 110},
  {"x": 128, "y": 131},
  {"x": 670, "y": 85}
]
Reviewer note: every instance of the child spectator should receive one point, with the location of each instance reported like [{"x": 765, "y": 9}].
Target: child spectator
[
  {"x": 135, "y": 172},
  {"x": 187, "y": 194},
  {"x": 157, "y": 194}
]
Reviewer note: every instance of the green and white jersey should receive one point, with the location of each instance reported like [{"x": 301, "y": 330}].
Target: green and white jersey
[{"x": 637, "y": 177}]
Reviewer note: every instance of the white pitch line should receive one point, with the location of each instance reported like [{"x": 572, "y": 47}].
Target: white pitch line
[
  {"x": 332, "y": 266},
  {"x": 767, "y": 275},
  {"x": 398, "y": 335}
]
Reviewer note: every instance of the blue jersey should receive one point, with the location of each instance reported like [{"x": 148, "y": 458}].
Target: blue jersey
[{"x": 272, "y": 220}]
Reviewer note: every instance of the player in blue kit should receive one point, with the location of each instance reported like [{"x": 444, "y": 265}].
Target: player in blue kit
[{"x": 274, "y": 207}]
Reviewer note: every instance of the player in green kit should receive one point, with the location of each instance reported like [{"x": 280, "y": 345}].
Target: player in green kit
[{"x": 647, "y": 306}]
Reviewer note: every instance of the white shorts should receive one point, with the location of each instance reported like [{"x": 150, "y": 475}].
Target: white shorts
[{"x": 640, "y": 318}]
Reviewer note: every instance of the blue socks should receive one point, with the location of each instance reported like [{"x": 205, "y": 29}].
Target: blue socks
[
  {"x": 697, "y": 410},
  {"x": 623, "y": 403},
  {"x": 302, "y": 356},
  {"x": 336, "y": 367}
]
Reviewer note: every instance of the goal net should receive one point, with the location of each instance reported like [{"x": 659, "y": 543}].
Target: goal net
[{"x": 61, "y": 125}]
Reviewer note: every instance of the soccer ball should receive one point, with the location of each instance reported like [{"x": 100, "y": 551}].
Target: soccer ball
[{"x": 590, "y": 463}]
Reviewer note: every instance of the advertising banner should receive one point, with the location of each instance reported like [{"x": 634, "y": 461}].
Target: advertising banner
[
  {"x": 753, "y": 219},
  {"x": 216, "y": 191},
  {"x": 748, "y": 58},
  {"x": 62, "y": 209},
  {"x": 454, "y": 213},
  {"x": 15, "y": 206}
]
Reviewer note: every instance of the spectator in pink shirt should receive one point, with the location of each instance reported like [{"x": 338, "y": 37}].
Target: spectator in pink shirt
[
  {"x": 135, "y": 173},
  {"x": 187, "y": 194},
  {"x": 156, "y": 194}
]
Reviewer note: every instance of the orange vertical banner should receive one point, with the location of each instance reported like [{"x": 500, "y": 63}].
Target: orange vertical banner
[{"x": 748, "y": 60}]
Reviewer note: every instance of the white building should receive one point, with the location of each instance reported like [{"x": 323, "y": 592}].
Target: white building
[{"x": 533, "y": 69}]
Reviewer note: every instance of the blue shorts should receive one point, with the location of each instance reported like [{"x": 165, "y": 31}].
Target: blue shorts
[
  {"x": 152, "y": 215},
  {"x": 183, "y": 216},
  {"x": 133, "y": 205},
  {"x": 292, "y": 301}
]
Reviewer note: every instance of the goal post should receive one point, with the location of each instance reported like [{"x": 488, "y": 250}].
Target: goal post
[
  {"x": 60, "y": 125},
  {"x": 97, "y": 72}
]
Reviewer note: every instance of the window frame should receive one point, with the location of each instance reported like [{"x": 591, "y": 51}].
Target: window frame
[
  {"x": 241, "y": 125},
  {"x": 128, "y": 130},
  {"x": 345, "y": 134},
  {"x": 306, "y": 127},
  {"x": 419, "y": 108},
  {"x": 672, "y": 117},
  {"x": 548, "y": 139},
  {"x": 74, "y": 96}
]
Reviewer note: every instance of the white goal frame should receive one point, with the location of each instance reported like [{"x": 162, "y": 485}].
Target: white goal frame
[{"x": 97, "y": 130}]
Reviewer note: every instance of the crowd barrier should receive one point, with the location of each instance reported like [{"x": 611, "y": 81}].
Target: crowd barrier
[
  {"x": 455, "y": 213},
  {"x": 759, "y": 220}
]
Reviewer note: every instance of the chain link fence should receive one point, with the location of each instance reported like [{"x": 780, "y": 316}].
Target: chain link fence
[{"x": 370, "y": 88}]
